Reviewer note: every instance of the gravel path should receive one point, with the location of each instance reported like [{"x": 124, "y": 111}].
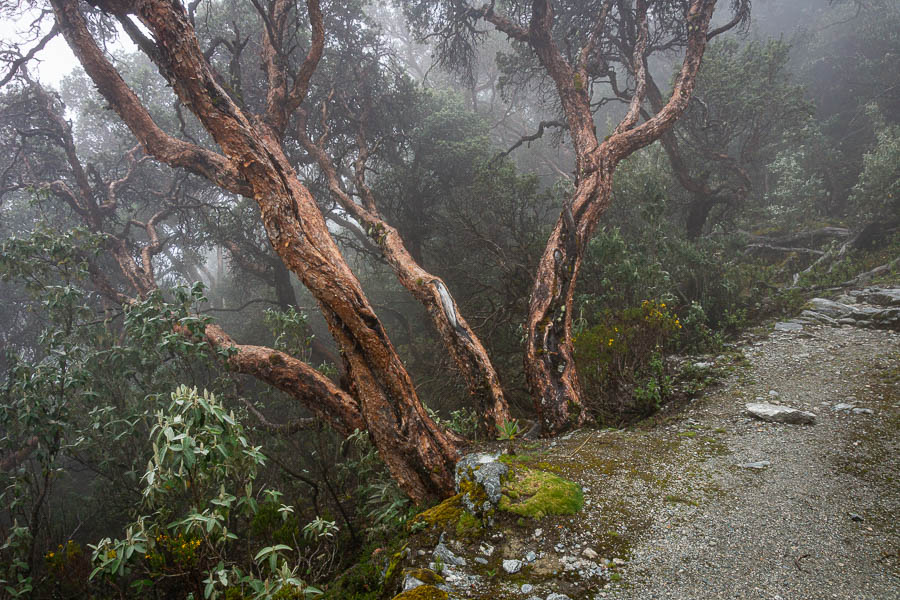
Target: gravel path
[{"x": 822, "y": 520}]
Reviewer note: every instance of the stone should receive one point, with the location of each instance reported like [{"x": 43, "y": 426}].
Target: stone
[
  {"x": 758, "y": 465},
  {"x": 829, "y": 308},
  {"x": 779, "y": 414},
  {"x": 527, "y": 588},
  {"x": 444, "y": 555},
  {"x": 843, "y": 406},
  {"x": 855, "y": 517},
  {"x": 618, "y": 562},
  {"x": 588, "y": 552},
  {"x": 538, "y": 533},
  {"x": 479, "y": 477},
  {"x": 816, "y": 317},
  {"x": 703, "y": 365},
  {"x": 481, "y": 560},
  {"x": 512, "y": 566},
  {"x": 880, "y": 296},
  {"x": 530, "y": 556},
  {"x": 863, "y": 411},
  {"x": 555, "y": 596},
  {"x": 788, "y": 326}
]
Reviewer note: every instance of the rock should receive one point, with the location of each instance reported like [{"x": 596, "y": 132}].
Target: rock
[
  {"x": 618, "y": 561},
  {"x": 780, "y": 414},
  {"x": 773, "y": 394},
  {"x": 478, "y": 477},
  {"x": 486, "y": 549},
  {"x": 555, "y": 596},
  {"x": 703, "y": 365},
  {"x": 590, "y": 554},
  {"x": 538, "y": 533},
  {"x": 759, "y": 465},
  {"x": 863, "y": 411},
  {"x": 512, "y": 566},
  {"x": 855, "y": 517},
  {"x": 788, "y": 326},
  {"x": 527, "y": 588},
  {"x": 880, "y": 296},
  {"x": 816, "y": 317},
  {"x": 829, "y": 308},
  {"x": 845, "y": 406},
  {"x": 530, "y": 556},
  {"x": 481, "y": 560},
  {"x": 443, "y": 554}
]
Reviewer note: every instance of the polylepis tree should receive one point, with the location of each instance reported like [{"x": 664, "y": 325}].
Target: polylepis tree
[
  {"x": 250, "y": 159},
  {"x": 580, "y": 47}
]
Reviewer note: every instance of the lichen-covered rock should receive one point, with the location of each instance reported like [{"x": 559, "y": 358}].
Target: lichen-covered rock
[
  {"x": 479, "y": 478},
  {"x": 423, "y": 592},
  {"x": 413, "y": 578}
]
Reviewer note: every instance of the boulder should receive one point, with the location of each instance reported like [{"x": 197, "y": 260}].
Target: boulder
[
  {"x": 880, "y": 296},
  {"x": 479, "y": 479},
  {"x": 779, "y": 414},
  {"x": 829, "y": 308}
]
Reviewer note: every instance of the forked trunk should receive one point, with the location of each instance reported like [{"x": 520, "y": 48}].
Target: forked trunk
[{"x": 418, "y": 454}]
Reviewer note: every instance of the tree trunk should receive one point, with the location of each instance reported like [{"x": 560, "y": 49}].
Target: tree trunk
[
  {"x": 418, "y": 454},
  {"x": 549, "y": 356},
  {"x": 468, "y": 353}
]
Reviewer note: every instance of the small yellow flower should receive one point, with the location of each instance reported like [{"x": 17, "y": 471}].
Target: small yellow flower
[{"x": 50, "y": 555}]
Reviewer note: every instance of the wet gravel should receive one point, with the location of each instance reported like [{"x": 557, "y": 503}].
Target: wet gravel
[{"x": 820, "y": 520}]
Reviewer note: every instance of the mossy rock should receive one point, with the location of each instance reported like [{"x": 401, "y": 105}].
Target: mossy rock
[
  {"x": 444, "y": 513},
  {"x": 536, "y": 494},
  {"x": 426, "y": 576},
  {"x": 423, "y": 592}
]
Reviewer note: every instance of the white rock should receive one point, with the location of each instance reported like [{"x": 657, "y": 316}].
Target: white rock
[
  {"x": 779, "y": 414},
  {"x": 512, "y": 566},
  {"x": 590, "y": 553}
]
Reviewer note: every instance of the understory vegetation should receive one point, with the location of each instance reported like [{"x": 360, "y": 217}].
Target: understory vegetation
[{"x": 139, "y": 458}]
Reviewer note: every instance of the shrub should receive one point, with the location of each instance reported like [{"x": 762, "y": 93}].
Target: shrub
[{"x": 621, "y": 362}]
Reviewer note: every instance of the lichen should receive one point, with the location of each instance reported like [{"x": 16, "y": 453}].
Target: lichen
[
  {"x": 423, "y": 592},
  {"x": 536, "y": 494}
]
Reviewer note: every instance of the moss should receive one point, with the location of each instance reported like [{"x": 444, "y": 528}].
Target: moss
[
  {"x": 446, "y": 512},
  {"x": 536, "y": 494},
  {"x": 468, "y": 526},
  {"x": 426, "y": 576},
  {"x": 423, "y": 592},
  {"x": 676, "y": 499}
]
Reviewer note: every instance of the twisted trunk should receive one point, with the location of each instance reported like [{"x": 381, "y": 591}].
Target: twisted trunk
[{"x": 419, "y": 455}]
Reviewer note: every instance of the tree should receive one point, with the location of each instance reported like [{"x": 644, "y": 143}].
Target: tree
[
  {"x": 579, "y": 45},
  {"x": 253, "y": 163}
]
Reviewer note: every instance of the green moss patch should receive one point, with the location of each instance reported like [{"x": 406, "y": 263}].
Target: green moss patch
[
  {"x": 423, "y": 592},
  {"x": 536, "y": 494},
  {"x": 446, "y": 512}
]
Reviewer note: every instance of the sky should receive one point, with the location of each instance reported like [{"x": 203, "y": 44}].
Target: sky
[{"x": 53, "y": 63}]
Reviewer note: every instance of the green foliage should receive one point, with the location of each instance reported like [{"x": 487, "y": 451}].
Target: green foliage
[
  {"x": 621, "y": 361},
  {"x": 877, "y": 192},
  {"x": 509, "y": 430},
  {"x": 200, "y": 484}
]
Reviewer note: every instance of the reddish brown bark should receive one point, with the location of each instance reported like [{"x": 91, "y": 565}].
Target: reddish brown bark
[
  {"x": 549, "y": 359},
  {"x": 467, "y": 351},
  {"x": 418, "y": 454}
]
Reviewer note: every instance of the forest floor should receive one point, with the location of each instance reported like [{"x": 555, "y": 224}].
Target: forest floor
[
  {"x": 704, "y": 502},
  {"x": 709, "y": 503}
]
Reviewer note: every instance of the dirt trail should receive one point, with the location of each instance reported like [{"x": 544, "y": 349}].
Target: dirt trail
[{"x": 820, "y": 520}]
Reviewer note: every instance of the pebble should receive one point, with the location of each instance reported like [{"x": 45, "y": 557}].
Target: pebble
[
  {"x": 512, "y": 566},
  {"x": 590, "y": 553},
  {"x": 760, "y": 464},
  {"x": 527, "y": 588}
]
